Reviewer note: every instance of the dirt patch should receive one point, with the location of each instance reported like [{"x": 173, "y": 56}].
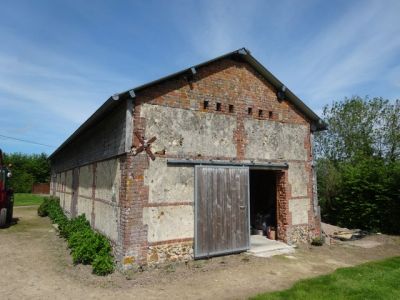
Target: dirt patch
[{"x": 36, "y": 264}]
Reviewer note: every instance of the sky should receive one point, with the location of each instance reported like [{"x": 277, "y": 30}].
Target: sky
[{"x": 60, "y": 60}]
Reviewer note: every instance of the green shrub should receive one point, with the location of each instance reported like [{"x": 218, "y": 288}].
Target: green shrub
[
  {"x": 74, "y": 225},
  {"x": 366, "y": 195},
  {"x": 87, "y": 246},
  {"x": 317, "y": 241},
  {"x": 103, "y": 264},
  {"x": 44, "y": 207}
]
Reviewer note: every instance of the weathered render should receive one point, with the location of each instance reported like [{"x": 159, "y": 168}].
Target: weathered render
[{"x": 230, "y": 109}]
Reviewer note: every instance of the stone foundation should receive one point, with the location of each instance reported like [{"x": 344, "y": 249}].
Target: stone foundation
[
  {"x": 299, "y": 234},
  {"x": 177, "y": 252}
]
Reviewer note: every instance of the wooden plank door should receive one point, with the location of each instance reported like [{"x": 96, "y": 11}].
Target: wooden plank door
[{"x": 221, "y": 210}]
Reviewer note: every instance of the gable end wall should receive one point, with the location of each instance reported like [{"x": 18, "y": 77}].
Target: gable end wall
[{"x": 158, "y": 210}]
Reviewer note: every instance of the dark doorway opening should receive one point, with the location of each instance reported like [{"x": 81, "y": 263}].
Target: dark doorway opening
[{"x": 263, "y": 203}]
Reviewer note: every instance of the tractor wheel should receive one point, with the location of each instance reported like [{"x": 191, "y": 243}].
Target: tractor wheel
[
  {"x": 9, "y": 213},
  {"x": 3, "y": 217}
]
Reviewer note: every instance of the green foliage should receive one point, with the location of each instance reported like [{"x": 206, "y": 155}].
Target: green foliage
[
  {"x": 87, "y": 246},
  {"x": 47, "y": 205},
  {"x": 74, "y": 225},
  {"x": 27, "y": 169},
  {"x": 358, "y": 164},
  {"x": 360, "y": 128},
  {"x": 318, "y": 241},
  {"x": 375, "y": 280},
  {"x": 103, "y": 264}
]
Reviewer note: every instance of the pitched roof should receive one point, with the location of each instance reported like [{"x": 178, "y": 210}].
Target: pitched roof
[{"x": 243, "y": 53}]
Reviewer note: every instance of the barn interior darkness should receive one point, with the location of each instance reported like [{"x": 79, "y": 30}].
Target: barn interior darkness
[{"x": 262, "y": 201}]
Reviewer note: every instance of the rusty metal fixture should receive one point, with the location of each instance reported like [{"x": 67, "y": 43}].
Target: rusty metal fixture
[{"x": 145, "y": 145}]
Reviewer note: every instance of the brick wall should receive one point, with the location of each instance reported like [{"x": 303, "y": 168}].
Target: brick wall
[{"x": 226, "y": 87}]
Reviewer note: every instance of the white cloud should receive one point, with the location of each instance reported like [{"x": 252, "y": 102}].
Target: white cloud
[
  {"x": 355, "y": 49},
  {"x": 360, "y": 46},
  {"x": 56, "y": 82}
]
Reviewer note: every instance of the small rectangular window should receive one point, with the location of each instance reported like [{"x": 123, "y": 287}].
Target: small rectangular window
[
  {"x": 231, "y": 108},
  {"x": 249, "y": 111},
  {"x": 205, "y": 104},
  {"x": 271, "y": 114},
  {"x": 218, "y": 106},
  {"x": 260, "y": 113}
]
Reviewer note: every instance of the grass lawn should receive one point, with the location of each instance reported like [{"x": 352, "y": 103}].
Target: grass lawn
[
  {"x": 22, "y": 199},
  {"x": 374, "y": 280}
]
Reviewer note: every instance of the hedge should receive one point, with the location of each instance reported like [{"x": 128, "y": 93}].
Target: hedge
[{"x": 87, "y": 246}]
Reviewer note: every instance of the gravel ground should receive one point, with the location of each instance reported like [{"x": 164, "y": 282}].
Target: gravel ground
[{"x": 35, "y": 264}]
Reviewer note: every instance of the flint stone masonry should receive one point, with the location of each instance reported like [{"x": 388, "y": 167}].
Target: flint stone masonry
[
  {"x": 299, "y": 209},
  {"x": 274, "y": 140},
  {"x": 68, "y": 182},
  {"x": 169, "y": 183},
  {"x": 86, "y": 181},
  {"x": 98, "y": 195},
  {"x": 108, "y": 180},
  {"x": 107, "y": 219},
  {"x": 169, "y": 222},
  {"x": 84, "y": 203},
  {"x": 66, "y": 196},
  {"x": 187, "y": 132},
  {"x": 299, "y": 234},
  {"x": 145, "y": 207},
  {"x": 175, "y": 252},
  {"x": 299, "y": 179},
  {"x": 84, "y": 206}
]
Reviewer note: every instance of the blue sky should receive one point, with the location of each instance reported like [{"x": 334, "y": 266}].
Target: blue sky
[{"x": 60, "y": 60}]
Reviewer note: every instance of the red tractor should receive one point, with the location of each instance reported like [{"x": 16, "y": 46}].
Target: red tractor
[{"x": 6, "y": 194}]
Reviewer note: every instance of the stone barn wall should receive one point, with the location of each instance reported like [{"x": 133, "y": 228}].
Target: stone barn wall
[
  {"x": 242, "y": 120},
  {"x": 95, "y": 159},
  {"x": 146, "y": 208},
  {"x": 98, "y": 196}
]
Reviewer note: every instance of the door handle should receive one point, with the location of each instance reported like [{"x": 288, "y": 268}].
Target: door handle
[{"x": 242, "y": 207}]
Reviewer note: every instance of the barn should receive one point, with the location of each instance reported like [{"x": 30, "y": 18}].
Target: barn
[{"x": 190, "y": 165}]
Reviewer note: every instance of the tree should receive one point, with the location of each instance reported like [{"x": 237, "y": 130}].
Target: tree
[
  {"x": 27, "y": 170},
  {"x": 360, "y": 127},
  {"x": 358, "y": 165}
]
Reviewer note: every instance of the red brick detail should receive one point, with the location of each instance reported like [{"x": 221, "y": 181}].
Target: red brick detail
[
  {"x": 283, "y": 194},
  {"x": 228, "y": 82},
  {"x": 240, "y": 137},
  {"x": 134, "y": 197}
]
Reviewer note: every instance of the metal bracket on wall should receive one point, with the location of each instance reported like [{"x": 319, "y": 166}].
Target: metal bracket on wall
[{"x": 250, "y": 164}]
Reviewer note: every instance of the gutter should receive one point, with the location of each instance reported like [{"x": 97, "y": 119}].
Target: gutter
[{"x": 108, "y": 105}]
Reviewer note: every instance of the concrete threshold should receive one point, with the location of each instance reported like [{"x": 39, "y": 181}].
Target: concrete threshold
[{"x": 260, "y": 246}]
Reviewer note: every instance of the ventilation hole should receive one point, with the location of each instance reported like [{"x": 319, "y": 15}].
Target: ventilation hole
[
  {"x": 270, "y": 114},
  {"x": 205, "y": 104},
  {"x": 249, "y": 111},
  {"x": 231, "y": 108},
  {"x": 260, "y": 113},
  {"x": 218, "y": 106}
]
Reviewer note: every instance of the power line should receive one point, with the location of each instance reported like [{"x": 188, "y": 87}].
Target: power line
[{"x": 25, "y": 141}]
